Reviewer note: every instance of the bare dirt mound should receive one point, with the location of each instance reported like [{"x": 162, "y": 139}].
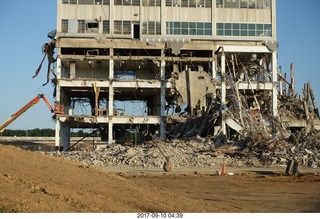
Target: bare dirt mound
[{"x": 31, "y": 182}]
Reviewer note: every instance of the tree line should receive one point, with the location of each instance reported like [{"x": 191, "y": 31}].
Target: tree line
[{"x": 38, "y": 133}]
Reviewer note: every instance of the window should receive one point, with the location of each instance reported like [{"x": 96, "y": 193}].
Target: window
[
  {"x": 151, "y": 3},
  {"x": 92, "y": 27},
  {"x": 208, "y": 3},
  {"x": 81, "y": 26},
  {"x": 251, "y": 4},
  {"x": 117, "y": 27},
  {"x": 176, "y": 28},
  {"x": 231, "y": 3},
  {"x": 184, "y": 3},
  {"x": 105, "y": 27},
  {"x": 235, "y": 29},
  {"x": 122, "y": 27},
  {"x": 192, "y": 3},
  {"x": 200, "y": 3},
  {"x": 126, "y": 27},
  {"x": 184, "y": 28},
  {"x": 244, "y": 29},
  {"x": 189, "y": 3},
  {"x": 252, "y": 29},
  {"x": 64, "y": 26},
  {"x": 263, "y": 4},
  {"x": 247, "y": 3},
  {"x": 219, "y": 3},
  {"x": 259, "y": 29},
  {"x": 227, "y": 29},
  {"x": 192, "y": 28},
  {"x": 85, "y": 2},
  {"x": 127, "y": 2},
  {"x": 136, "y": 2},
  {"x": 267, "y": 30},
  {"x": 188, "y": 28}
]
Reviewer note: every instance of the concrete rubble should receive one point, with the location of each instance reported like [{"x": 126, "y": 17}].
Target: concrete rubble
[
  {"x": 252, "y": 135},
  {"x": 195, "y": 152}
]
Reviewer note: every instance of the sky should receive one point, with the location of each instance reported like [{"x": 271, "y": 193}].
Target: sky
[{"x": 26, "y": 23}]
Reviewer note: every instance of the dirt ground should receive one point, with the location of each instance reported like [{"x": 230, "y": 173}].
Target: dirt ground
[{"x": 32, "y": 182}]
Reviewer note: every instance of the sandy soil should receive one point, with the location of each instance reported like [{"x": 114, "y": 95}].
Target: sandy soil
[{"x": 32, "y": 182}]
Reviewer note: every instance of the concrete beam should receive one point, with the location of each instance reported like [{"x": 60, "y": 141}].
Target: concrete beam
[
  {"x": 137, "y": 58},
  {"x": 248, "y": 49},
  {"x": 116, "y": 84},
  {"x": 114, "y": 119},
  {"x": 81, "y": 42}
]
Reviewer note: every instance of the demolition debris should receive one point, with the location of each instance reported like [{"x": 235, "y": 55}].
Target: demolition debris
[{"x": 253, "y": 136}]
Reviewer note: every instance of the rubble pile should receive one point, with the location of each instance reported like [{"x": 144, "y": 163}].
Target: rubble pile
[
  {"x": 199, "y": 152},
  {"x": 198, "y": 141},
  {"x": 239, "y": 128},
  {"x": 149, "y": 155}
]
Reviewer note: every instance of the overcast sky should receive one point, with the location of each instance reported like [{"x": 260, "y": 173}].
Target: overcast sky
[{"x": 24, "y": 28}]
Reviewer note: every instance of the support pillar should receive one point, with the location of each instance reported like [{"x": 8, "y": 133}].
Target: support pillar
[
  {"x": 274, "y": 90},
  {"x": 223, "y": 91},
  {"x": 111, "y": 98},
  {"x": 214, "y": 66},
  {"x": 163, "y": 100},
  {"x": 62, "y": 132}
]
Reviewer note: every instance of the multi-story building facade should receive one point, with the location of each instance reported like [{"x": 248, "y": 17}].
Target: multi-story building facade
[{"x": 155, "y": 56}]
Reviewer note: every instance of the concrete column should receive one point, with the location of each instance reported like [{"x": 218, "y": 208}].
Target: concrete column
[
  {"x": 280, "y": 82},
  {"x": 111, "y": 98},
  {"x": 72, "y": 70},
  {"x": 57, "y": 130},
  {"x": 65, "y": 136},
  {"x": 188, "y": 88},
  {"x": 274, "y": 90},
  {"x": 57, "y": 134},
  {"x": 59, "y": 66},
  {"x": 274, "y": 84},
  {"x": 62, "y": 132},
  {"x": 214, "y": 66},
  {"x": 163, "y": 100},
  {"x": 223, "y": 90}
]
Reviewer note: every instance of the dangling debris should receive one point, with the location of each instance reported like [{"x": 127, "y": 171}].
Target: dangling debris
[{"x": 48, "y": 50}]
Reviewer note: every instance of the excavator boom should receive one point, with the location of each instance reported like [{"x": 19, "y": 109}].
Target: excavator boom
[{"x": 25, "y": 108}]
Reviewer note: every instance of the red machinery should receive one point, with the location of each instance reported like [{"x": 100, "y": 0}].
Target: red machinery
[{"x": 57, "y": 110}]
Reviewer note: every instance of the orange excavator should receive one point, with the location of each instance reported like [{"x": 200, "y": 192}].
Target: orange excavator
[{"x": 58, "y": 109}]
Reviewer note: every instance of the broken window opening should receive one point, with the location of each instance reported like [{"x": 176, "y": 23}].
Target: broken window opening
[
  {"x": 132, "y": 107},
  {"x": 92, "y": 27},
  {"x": 124, "y": 74}
]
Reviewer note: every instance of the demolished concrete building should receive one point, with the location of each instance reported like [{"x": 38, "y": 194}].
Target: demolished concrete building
[{"x": 152, "y": 64}]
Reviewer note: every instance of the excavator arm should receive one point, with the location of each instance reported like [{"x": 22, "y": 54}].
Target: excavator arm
[{"x": 25, "y": 108}]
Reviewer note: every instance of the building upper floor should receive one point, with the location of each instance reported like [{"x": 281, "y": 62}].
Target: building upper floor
[{"x": 168, "y": 19}]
